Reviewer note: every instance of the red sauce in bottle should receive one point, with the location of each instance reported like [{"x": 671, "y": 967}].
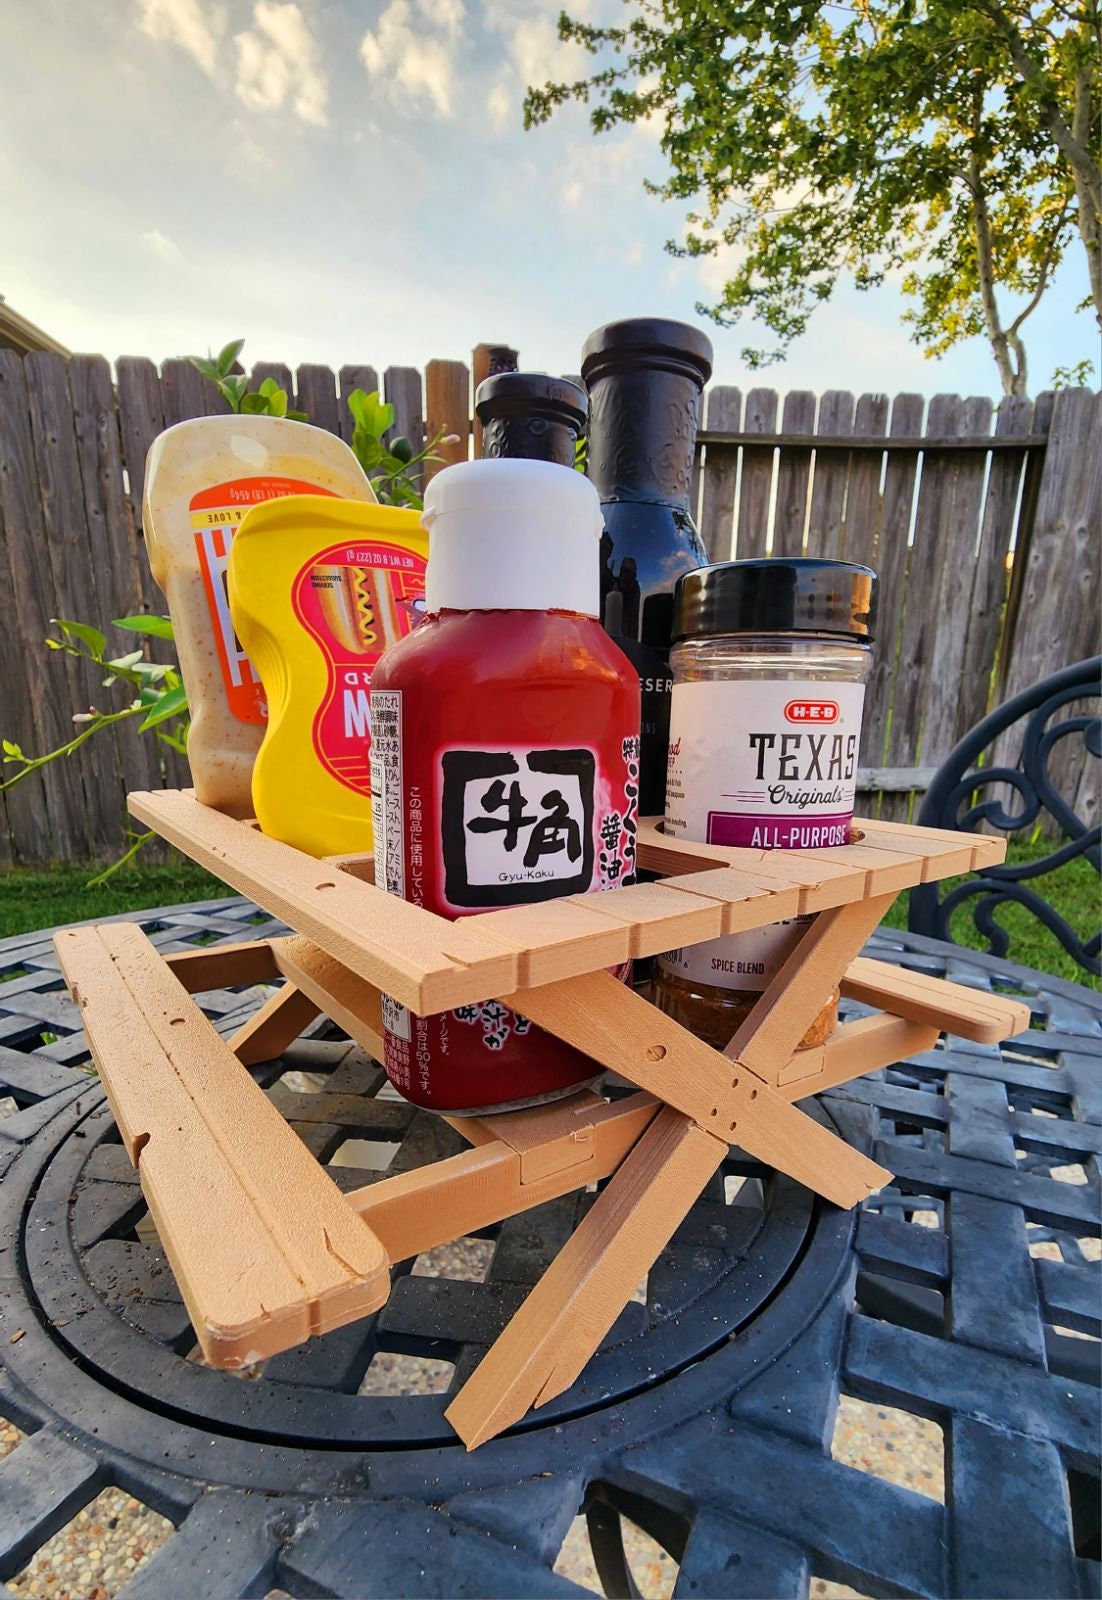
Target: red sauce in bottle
[{"x": 506, "y": 764}]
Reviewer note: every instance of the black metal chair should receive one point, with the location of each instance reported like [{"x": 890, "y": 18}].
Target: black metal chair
[{"x": 955, "y": 800}]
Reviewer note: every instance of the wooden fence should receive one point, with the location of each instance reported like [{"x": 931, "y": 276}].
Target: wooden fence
[{"x": 982, "y": 523}]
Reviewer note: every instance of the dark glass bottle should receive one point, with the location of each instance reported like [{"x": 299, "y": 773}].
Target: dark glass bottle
[
  {"x": 531, "y": 415},
  {"x": 645, "y": 377}
]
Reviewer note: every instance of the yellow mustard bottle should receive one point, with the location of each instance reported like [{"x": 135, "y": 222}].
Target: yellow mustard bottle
[
  {"x": 318, "y": 588},
  {"x": 200, "y": 479}
]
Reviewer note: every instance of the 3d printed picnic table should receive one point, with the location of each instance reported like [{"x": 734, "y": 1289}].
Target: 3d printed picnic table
[{"x": 265, "y": 1248}]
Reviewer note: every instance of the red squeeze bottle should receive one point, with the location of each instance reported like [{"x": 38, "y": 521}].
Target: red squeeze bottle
[{"x": 505, "y": 757}]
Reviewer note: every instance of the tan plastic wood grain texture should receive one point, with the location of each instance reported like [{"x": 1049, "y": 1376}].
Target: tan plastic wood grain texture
[
  {"x": 224, "y": 966},
  {"x": 426, "y": 962},
  {"x": 970, "y": 1013},
  {"x": 804, "y": 983},
  {"x": 853, "y": 1049},
  {"x": 579, "y": 1297},
  {"x": 263, "y": 1245},
  {"x": 278, "y": 1023},
  {"x": 624, "y": 1032},
  {"x": 351, "y": 1002},
  {"x": 416, "y": 1211}
]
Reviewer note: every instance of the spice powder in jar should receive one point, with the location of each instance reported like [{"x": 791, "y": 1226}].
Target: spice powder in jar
[{"x": 769, "y": 666}]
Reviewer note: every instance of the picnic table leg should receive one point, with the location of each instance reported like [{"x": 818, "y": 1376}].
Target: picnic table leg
[
  {"x": 278, "y": 1023},
  {"x": 579, "y": 1297}
]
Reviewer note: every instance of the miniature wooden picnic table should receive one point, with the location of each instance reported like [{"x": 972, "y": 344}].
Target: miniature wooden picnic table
[
  {"x": 268, "y": 1252},
  {"x": 710, "y": 1417}
]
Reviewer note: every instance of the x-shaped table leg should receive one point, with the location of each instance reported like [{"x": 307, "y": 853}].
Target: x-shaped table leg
[{"x": 712, "y": 1101}]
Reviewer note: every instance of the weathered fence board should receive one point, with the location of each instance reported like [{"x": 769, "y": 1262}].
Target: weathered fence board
[
  {"x": 717, "y": 498},
  {"x": 984, "y": 543}
]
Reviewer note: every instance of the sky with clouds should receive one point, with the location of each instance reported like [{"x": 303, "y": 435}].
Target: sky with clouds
[{"x": 349, "y": 181}]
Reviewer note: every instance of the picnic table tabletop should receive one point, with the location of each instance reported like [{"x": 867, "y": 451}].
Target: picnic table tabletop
[{"x": 959, "y": 1294}]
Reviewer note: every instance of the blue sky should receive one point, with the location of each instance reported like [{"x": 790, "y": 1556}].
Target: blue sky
[{"x": 349, "y": 181}]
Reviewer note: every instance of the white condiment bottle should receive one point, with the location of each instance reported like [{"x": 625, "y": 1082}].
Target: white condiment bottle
[{"x": 200, "y": 479}]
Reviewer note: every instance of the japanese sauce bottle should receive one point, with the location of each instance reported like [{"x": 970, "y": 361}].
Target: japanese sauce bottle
[
  {"x": 504, "y": 757},
  {"x": 200, "y": 479},
  {"x": 645, "y": 378},
  {"x": 531, "y": 415}
]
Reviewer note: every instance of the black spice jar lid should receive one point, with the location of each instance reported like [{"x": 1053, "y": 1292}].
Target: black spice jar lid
[
  {"x": 651, "y": 342},
  {"x": 509, "y": 394},
  {"x": 802, "y": 595}
]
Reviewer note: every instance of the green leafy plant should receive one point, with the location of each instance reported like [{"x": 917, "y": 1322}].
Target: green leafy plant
[
  {"x": 158, "y": 702},
  {"x": 389, "y": 468},
  {"x": 267, "y": 401}
]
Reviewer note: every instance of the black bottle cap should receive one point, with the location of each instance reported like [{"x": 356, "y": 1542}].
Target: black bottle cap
[
  {"x": 532, "y": 415},
  {"x": 775, "y": 596},
  {"x": 654, "y": 342}
]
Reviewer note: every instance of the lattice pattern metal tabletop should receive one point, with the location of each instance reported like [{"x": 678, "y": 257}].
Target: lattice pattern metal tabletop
[{"x": 956, "y": 1294}]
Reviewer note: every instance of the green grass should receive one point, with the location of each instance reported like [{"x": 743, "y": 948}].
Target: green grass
[
  {"x": 31, "y": 898},
  {"x": 1073, "y": 891}
]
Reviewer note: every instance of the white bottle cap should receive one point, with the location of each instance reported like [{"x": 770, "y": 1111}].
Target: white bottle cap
[{"x": 512, "y": 535}]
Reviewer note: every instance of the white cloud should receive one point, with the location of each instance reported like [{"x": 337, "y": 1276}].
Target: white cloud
[
  {"x": 279, "y": 61},
  {"x": 413, "y": 52},
  {"x": 194, "y": 27},
  {"x": 159, "y": 244},
  {"x": 502, "y": 107}
]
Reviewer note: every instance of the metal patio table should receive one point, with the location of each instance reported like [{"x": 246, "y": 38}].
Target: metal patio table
[{"x": 706, "y": 1417}]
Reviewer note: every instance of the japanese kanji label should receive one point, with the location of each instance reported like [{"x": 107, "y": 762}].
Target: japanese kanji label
[{"x": 517, "y": 825}]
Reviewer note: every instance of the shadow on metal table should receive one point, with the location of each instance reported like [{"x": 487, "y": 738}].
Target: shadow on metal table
[{"x": 961, "y": 1294}]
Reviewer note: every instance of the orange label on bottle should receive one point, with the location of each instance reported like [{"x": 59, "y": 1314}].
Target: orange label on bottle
[
  {"x": 215, "y": 515},
  {"x": 355, "y": 600}
]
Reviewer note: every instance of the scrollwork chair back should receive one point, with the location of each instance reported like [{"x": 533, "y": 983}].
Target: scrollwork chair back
[{"x": 956, "y": 799}]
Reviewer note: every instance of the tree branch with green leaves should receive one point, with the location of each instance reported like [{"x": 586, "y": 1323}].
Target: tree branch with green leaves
[{"x": 949, "y": 145}]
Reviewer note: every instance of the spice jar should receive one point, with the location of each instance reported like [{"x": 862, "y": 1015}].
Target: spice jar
[{"x": 769, "y": 666}]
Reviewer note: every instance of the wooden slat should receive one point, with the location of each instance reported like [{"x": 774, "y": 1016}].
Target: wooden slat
[
  {"x": 316, "y": 394},
  {"x": 862, "y": 518},
  {"x": 113, "y": 541},
  {"x": 349, "y": 1000},
  {"x": 891, "y": 564},
  {"x": 625, "y": 1033},
  {"x": 349, "y": 379},
  {"x": 793, "y": 476},
  {"x": 1057, "y": 620},
  {"x": 579, "y": 1297},
  {"x": 853, "y": 1049},
  {"x": 224, "y": 966},
  {"x": 423, "y": 961},
  {"x": 37, "y": 720},
  {"x": 920, "y": 622},
  {"x": 801, "y": 986},
  {"x": 209, "y": 1147},
  {"x": 990, "y": 585},
  {"x": 717, "y": 502},
  {"x": 415, "y": 1211},
  {"x": 657, "y": 916},
  {"x": 277, "y": 1024},
  {"x": 953, "y": 603},
  {"x": 402, "y": 390},
  {"x": 559, "y": 938},
  {"x": 828, "y": 488},
  {"x": 186, "y": 393},
  {"x": 487, "y": 359},
  {"x": 141, "y": 418},
  {"x": 987, "y": 849},
  {"x": 970, "y": 1013},
  {"x": 448, "y": 406},
  {"x": 756, "y": 486},
  {"x": 746, "y": 901},
  {"x": 67, "y": 548}
]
